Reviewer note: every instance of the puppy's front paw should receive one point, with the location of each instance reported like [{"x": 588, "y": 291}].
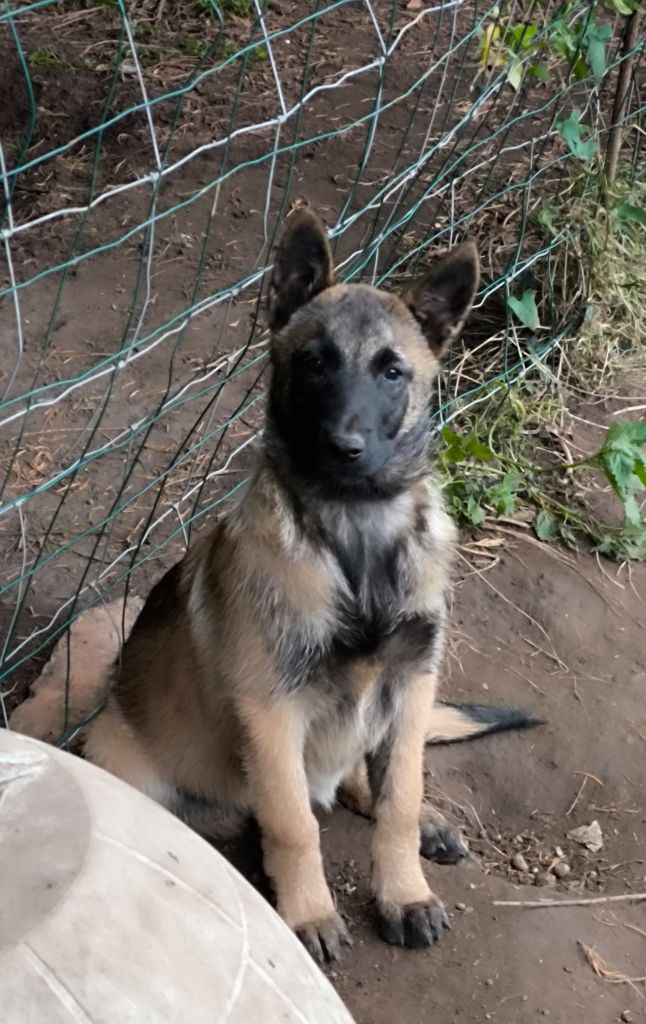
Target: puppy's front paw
[
  {"x": 326, "y": 939},
  {"x": 414, "y": 924},
  {"x": 442, "y": 843}
]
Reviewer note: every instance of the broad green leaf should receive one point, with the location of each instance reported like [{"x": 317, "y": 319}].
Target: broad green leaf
[
  {"x": 503, "y": 496},
  {"x": 631, "y": 431},
  {"x": 595, "y": 38},
  {"x": 521, "y": 37},
  {"x": 624, "y": 463},
  {"x": 477, "y": 449},
  {"x": 545, "y": 526},
  {"x": 515, "y": 75},
  {"x": 475, "y": 513},
  {"x": 572, "y": 131},
  {"x": 456, "y": 451},
  {"x": 626, "y": 211},
  {"x": 547, "y": 217},
  {"x": 525, "y": 309},
  {"x": 621, "y": 7},
  {"x": 539, "y": 71},
  {"x": 461, "y": 448}
]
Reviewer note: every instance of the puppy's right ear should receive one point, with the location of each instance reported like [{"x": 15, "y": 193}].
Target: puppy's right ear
[{"x": 302, "y": 269}]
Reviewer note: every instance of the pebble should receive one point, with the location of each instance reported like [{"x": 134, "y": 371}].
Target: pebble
[
  {"x": 461, "y": 906},
  {"x": 627, "y": 1017},
  {"x": 562, "y": 869},
  {"x": 519, "y": 863}
]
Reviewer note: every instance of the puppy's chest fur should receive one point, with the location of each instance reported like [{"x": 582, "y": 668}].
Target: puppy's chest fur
[{"x": 386, "y": 625}]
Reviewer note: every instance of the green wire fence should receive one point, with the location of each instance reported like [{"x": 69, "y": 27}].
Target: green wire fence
[{"x": 149, "y": 154}]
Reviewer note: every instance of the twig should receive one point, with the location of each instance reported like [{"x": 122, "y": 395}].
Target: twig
[
  {"x": 606, "y": 973},
  {"x": 621, "y": 95},
  {"x": 576, "y": 799},
  {"x": 626, "y": 897}
]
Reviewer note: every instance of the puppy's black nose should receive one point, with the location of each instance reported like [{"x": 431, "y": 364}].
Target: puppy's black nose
[{"x": 348, "y": 446}]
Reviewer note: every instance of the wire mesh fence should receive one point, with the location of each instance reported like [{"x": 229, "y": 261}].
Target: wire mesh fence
[{"x": 149, "y": 154}]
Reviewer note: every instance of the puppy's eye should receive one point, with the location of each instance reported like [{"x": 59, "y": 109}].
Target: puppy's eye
[
  {"x": 393, "y": 373},
  {"x": 313, "y": 363}
]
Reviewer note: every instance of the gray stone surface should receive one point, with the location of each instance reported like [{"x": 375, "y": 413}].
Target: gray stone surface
[{"x": 113, "y": 911}]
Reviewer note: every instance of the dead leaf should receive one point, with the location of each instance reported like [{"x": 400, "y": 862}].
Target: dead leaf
[{"x": 589, "y": 836}]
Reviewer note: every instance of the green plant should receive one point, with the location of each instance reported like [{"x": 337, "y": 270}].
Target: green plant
[
  {"x": 501, "y": 477},
  {"x": 50, "y": 59},
  {"x": 235, "y": 8},
  {"x": 570, "y": 41}
]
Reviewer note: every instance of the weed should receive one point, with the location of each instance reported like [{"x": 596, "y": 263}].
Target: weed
[
  {"x": 50, "y": 59},
  {"x": 235, "y": 8},
  {"x": 514, "y": 473},
  {"x": 572, "y": 43}
]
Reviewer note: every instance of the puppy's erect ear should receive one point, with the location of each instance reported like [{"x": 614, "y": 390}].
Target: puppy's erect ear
[
  {"x": 440, "y": 301},
  {"x": 302, "y": 269}
]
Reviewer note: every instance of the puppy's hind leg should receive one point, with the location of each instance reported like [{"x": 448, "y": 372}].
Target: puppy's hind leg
[
  {"x": 210, "y": 819},
  {"x": 355, "y": 793},
  {"x": 440, "y": 841},
  {"x": 111, "y": 743}
]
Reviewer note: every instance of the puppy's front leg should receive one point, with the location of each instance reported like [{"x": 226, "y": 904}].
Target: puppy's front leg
[
  {"x": 290, "y": 832},
  {"x": 410, "y": 914}
]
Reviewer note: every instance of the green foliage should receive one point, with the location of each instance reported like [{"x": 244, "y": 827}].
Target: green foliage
[
  {"x": 502, "y": 478},
  {"x": 572, "y": 131},
  {"x": 628, "y": 212},
  {"x": 50, "y": 59},
  {"x": 236, "y": 8},
  {"x": 622, "y": 460},
  {"x": 525, "y": 309},
  {"x": 571, "y": 41}
]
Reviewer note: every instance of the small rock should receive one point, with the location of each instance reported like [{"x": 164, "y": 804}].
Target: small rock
[
  {"x": 627, "y": 1017},
  {"x": 519, "y": 863},
  {"x": 468, "y": 910},
  {"x": 558, "y": 851},
  {"x": 489, "y": 982},
  {"x": 547, "y": 879},
  {"x": 461, "y": 906},
  {"x": 562, "y": 869},
  {"x": 545, "y": 1013}
]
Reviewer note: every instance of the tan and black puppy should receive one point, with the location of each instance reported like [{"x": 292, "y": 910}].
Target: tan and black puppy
[{"x": 300, "y": 641}]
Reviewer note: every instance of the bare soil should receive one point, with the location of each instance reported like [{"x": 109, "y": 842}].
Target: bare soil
[{"x": 564, "y": 638}]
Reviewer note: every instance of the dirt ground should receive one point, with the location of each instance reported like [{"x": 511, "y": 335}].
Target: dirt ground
[
  {"x": 565, "y": 639},
  {"x": 533, "y": 627}
]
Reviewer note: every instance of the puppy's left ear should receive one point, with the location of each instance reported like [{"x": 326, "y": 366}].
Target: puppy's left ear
[{"x": 440, "y": 301}]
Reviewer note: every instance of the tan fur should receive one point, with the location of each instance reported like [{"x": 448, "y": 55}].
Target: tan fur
[
  {"x": 355, "y": 792},
  {"x": 447, "y": 724},
  {"x": 397, "y": 877},
  {"x": 279, "y": 793}
]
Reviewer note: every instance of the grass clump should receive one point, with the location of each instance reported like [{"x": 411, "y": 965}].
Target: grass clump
[
  {"x": 509, "y": 454},
  {"x": 46, "y": 58}
]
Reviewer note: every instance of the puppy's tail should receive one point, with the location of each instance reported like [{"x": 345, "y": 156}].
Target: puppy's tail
[{"x": 451, "y": 723}]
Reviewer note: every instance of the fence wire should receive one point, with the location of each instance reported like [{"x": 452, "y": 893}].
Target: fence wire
[{"x": 150, "y": 153}]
